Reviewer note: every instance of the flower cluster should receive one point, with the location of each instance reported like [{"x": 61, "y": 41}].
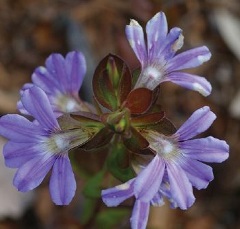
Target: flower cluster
[{"x": 152, "y": 159}]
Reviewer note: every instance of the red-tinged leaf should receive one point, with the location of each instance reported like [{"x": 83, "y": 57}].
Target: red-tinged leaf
[
  {"x": 111, "y": 82},
  {"x": 102, "y": 138},
  {"x": 103, "y": 86},
  {"x": 165, "y": 127},
  {"x": 125, "y": 84},
  {"x": 66, "y": 122},
  {"x": 112, "y": 70},
  {"x": 155, "y": 95},
  {"x": 104, "y": 91},
  {"x": 81, "y": 134},
  {"x": 87, "y": 119},
  {"x": 147, "y": 119},
  {"x": 121, "y": 77},
  {"x": 155, "y": 108},
  {"x": 97, "y": 106},
  {"x": 139, "y": 100},
  {"x": 136, "y": 141}
]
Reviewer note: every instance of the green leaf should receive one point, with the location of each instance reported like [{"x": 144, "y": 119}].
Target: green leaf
[
  {"x": 92, "y": 188},
  {"x": 111, "y": 82},
  {"x": 139, "y": 100},
  {"x": 110, "y": 218},
  {"x": 155, "y": 95},
  {"x": 118, "y": 163}
]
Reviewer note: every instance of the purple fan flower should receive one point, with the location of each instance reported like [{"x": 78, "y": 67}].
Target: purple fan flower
[
  {"x": 175, "y": 169},
  {"x": 61, "y": 80},
  {"x": 37, "y": 147},
  {"x": 158, "y": 60}
]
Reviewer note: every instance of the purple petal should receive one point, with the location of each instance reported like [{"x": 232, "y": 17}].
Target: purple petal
[
  {"x": 76, "y": 70},
  {"x": 140, "y": 215},
  {"x": 181, "y": 188},
  {"x": 55, "y": 64},
  {"x": 61, "y": 75},
  {"x": 114, "y": 196},
  {"x": 199, "y": 174},
  {"x": 189, "y": 59},
  {"x": 19, "y": 129},
  {"x": 149, "y": 179},
  {"x": 25, "y": 87},
  {"x": 37, "y": 104},
  {"x": 156, "y": 29},
  {"x": 172, "y": 43},
  {"x": 45, "y": 80},
  {"x": 166, "y": 192},
  {"x": 205, "y": 149},
  {"x": 20, "y": 106},
  {"x": 157, "y": 200},
  {"x": 32, "y": 173},
  {"x": 62, "y": 183},
  {"x": 135, "y": 36},
  {"x": 198, "y": 122},
  {"x": 190, "y": 81},
  {"x": 17, "y": 154}
]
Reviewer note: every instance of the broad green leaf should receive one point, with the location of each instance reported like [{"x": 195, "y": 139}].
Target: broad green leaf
[{"x": 110, "y": 218}]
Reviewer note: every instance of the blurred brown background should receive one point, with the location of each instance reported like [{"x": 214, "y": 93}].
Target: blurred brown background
[{"x": 31, "y": 30}]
